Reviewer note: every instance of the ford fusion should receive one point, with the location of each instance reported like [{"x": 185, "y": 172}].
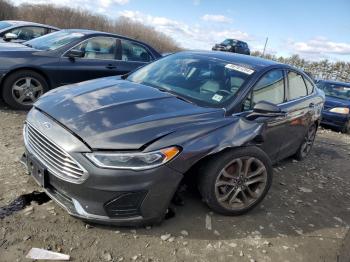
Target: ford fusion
[{"x": 114, "y": 150}]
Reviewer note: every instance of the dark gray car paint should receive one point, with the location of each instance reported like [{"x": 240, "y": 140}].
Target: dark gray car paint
[{"x": 113, "y": 114}]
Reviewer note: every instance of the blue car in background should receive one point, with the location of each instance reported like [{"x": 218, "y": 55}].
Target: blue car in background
[{"x": 337, "y": 106}]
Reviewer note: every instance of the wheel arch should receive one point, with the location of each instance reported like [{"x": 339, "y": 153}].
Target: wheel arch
[{"x": 34, "y": 69}]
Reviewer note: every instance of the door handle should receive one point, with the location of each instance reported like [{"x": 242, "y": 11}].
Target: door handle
[
  {"x": 311, "y": 105},
  {"x": 110, "y": 66}
]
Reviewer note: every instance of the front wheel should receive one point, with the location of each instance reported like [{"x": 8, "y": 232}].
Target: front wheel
[
  {"x": 234, "y": 182},
  {"x": 21, "y": 89}
]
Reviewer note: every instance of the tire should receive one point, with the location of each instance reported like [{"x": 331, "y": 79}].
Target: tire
[
  {"x": 25, "y": 84},
  {"x": 306, "y": 145},
  {"x": 346, "y": 128},
  {"x": 218, "y": 191}
]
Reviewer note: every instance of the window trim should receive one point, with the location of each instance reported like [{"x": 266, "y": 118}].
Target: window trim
[
  {"x": 257, "y": 81},
  {"x": 313, "y": 86},
  {"x": 301, "y": 97},
  {"x": 88, "y": 39},
  {"x": 118, "y": 49},
  {"x": 137, "y": 43},
  {"x": 23, "y": 26}
]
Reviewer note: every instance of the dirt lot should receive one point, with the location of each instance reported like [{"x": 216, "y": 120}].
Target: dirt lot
[{"x": 304, "y": 218}]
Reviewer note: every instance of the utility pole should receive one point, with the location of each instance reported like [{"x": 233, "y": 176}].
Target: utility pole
[{"x": 267, "y": 39}]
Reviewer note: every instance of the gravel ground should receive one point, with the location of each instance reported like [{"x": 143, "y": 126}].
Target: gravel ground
[{"x": 305, "y": 216}]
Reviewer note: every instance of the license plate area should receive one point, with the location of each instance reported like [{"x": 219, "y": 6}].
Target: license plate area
[{"x": 37, "y": 170}]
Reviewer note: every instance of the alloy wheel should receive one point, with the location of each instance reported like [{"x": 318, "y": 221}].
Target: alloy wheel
[
  {"x": 308, "y": 141},
  {"x": 240, "y": 183},
  {"x": 27, "y": 90}
]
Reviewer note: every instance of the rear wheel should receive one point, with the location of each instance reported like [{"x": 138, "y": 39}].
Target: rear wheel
[
  {"x": 21, "y": 89},
  {"x": 234, "y": 182},
  {"x": 307, "y": 143}
]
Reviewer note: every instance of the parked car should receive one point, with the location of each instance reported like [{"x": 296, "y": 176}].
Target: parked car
[
  {"x": 21, "y": 31},
  {"x": 68, "y": 56},
  {"x": 234, "y": 46},
  {"x": 336, "y": 111},
  {"x": 114, "y": 150}
]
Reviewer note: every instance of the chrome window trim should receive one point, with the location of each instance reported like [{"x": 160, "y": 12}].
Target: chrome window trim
[
  {"x": 149, "y": 52},
  {"x": 115, "y": 59},
  {"x": 88, "y": 39}
]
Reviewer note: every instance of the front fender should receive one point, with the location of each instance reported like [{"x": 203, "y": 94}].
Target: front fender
[{"x": 237, "y": 132}]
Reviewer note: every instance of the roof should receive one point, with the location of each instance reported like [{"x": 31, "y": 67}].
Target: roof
[
  {"x": 335, "y": 82},
  {"x": 253, "y": 62},
  {"x": 20, "y": 23}
]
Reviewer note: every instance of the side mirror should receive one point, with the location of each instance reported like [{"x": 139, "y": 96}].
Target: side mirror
[
  {"x": 266, "y": 109},
  {"x": 74, "y": 53},
  {"x": 10, "y": 36}
]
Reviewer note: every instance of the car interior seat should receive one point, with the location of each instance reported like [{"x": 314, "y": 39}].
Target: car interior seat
[
  {"x": 91, "y": 50},
  {"x": 213, "y": 84}
]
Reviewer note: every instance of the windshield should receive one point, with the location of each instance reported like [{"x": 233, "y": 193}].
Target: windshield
[
  {"x": 200, "y": 79},
  {"x": 335, "y": 90},
  {"x": 4, "y": 25},
  {"x": 54, "y": 40},
  {"x": 229, "y": 42}
]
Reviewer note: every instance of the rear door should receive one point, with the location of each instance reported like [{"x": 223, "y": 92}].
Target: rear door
[
  {"x": 99, "y": 60},
  {"x": 300, "y": 108},
  {"x": 132, "y": 55},
  {"x": 271, "y": 88}
]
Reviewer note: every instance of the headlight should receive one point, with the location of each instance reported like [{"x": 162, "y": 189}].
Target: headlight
[
  {"x": 340, "y": 110},
  {"x": 134, "y": 161}
]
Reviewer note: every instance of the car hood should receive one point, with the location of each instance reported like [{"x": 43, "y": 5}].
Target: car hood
[
  {"x": 14, "y": 47},
  {"x": 111, "y": 113},
  {"x": 332, "y": 102}
]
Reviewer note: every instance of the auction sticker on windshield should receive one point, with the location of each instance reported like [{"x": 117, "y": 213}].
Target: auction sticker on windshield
[
  {"x": 217, "y": 97},
  {"x": 241, "y": 69}
]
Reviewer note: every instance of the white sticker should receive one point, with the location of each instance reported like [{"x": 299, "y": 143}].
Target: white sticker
[
  {"x": 241, "y": 69},
  {"x": 217, "y": 97}
]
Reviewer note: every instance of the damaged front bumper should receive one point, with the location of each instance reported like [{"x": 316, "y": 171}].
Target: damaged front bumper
[
  {"x": 112, "y": 197},
  {"x": 54, "y": 156}
]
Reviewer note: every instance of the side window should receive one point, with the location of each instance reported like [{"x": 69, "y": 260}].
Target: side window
[
  {"x": 296, "y": 86},
  {"x": 134, "y": 52},
  {"x": 269, "y": 88},
  {"x": 28, "y": 32},
  {"x": 309, "y": 86},
  {"x": 98, "y": 48}
]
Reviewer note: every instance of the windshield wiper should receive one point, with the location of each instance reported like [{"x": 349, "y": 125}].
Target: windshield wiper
[
  {"x": 162, "y": 89},
  {"x": 29, "y": 45}
]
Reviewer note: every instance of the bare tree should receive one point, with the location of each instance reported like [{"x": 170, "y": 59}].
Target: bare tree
[{"x": 7, "y": 10}]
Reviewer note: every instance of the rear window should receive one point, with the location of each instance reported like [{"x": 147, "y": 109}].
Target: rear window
[
  {"x": 296, "y": 86},
  {"x": 4, "y": 25}
]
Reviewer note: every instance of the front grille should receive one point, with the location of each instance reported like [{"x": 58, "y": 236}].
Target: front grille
[{"x": 58, "y": 161}]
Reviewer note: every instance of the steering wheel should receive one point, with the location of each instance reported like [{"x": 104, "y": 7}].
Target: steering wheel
[{"x": 224, "y": 92}]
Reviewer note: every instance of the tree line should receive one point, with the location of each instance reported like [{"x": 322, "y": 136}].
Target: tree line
[
  {"x": 66, "y": 17},
  {"x": 324, "y": 69}
]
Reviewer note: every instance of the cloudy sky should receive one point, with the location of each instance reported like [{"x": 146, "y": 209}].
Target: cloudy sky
[{"x": 314, "y": 29}]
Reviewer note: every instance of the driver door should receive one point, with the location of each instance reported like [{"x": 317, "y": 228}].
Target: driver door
[
  {"x": 271, "y": 88},
  {"x": 99, "y": 60}
]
